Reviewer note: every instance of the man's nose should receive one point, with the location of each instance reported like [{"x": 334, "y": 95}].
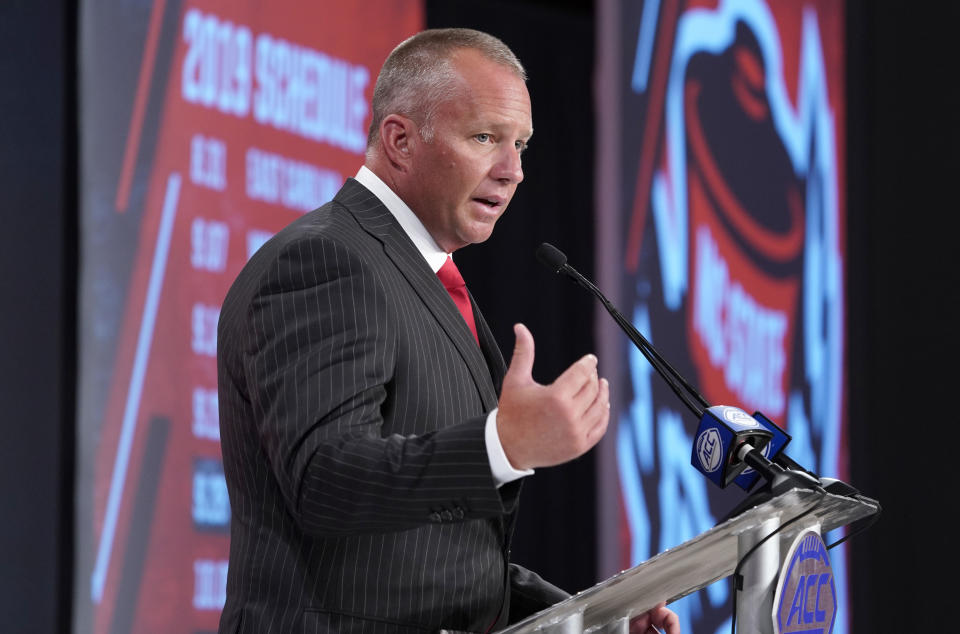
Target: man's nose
[{"x": 508, "y": 167}]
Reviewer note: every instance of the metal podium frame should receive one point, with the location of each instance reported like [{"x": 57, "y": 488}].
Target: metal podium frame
[{"x": 713, "y": 555}]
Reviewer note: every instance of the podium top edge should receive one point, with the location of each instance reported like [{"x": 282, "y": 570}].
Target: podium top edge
[{"x": 696, "y": 563}]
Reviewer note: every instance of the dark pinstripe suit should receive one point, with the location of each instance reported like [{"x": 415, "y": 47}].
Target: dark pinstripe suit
[{"x": 352, "y": 404}]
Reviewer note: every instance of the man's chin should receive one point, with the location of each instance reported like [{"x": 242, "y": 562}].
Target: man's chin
[
  {"x": 480, "y": 236},
  {"x": 473, "y": 233}
]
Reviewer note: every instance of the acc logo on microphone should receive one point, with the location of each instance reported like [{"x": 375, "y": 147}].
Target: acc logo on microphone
[
  {"x": 710, "y": 449},
  {"x": 739, "y": 417}
]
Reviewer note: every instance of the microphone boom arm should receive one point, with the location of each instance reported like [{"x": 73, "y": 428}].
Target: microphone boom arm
[{"x": 556, "y": 260}]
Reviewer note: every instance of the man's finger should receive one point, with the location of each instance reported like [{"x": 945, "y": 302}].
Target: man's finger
[
  {"x": 577, "y": 375},
  {"x": 640, "y": 624},
  {"x": 521, "y": 363},
  {"x": 598, "y": 414},
  {"x": 666, "y": 619},
  {"x": 582, "y": 401},
  {"x": 659, "y": 619}
]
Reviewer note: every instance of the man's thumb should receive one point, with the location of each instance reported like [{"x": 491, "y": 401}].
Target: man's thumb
[{"x": 521, "y": 364}]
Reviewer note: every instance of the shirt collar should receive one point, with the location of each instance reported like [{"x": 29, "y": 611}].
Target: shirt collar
[{"x": 409, "y": 222}]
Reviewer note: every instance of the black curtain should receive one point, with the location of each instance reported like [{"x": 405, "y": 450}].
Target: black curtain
[
  {"x": 902, "y": 320},
  {"x": 38, "y": 260},
  {"x": 555, "y": 533}
]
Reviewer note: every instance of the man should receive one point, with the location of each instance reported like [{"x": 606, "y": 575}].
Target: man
[{"x": 373, "y": 470}]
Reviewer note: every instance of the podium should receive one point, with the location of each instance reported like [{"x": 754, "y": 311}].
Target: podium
[{"x": 713, "y": 555}]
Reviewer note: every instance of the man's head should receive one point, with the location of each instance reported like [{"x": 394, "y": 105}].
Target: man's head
[
  {"x": 451, "y": 115},
  {"x": 418, "y": 74}
]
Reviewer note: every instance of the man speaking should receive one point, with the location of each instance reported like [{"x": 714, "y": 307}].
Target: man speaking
[{"x": 373, "y": 441}]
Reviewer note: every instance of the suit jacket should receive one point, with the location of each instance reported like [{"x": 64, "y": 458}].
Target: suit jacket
[{"x": 353, "y": 401}]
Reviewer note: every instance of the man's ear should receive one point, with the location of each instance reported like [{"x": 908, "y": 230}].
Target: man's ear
[{"x": 398, "y": 134}]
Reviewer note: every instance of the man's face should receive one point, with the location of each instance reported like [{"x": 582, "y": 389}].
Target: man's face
[{"x": 462, "y": 181}]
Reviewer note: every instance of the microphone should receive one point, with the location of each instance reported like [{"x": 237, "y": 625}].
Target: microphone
[
  {"x": 731, "y": 445},
  {"x": 724, "y": 437},
  {"x": 555, "y": 260},
  {"x": 551, "y": 257},
  {"x": 772, "y": 451}
]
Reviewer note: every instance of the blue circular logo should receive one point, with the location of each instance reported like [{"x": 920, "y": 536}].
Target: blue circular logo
[
  {"x": 709, "y": 450},
  {"x": 739, "y": 417},
  {"x": 806, "y": 598}
]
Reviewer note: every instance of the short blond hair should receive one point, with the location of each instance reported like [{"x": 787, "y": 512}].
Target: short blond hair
[{"x": 418, "y": 75}]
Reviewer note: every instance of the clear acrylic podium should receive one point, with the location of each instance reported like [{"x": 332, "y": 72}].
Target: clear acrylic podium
[{"x": 713, "y": 555}]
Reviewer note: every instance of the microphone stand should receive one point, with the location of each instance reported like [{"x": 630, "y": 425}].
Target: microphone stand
[{"x": 779, "y": 476}]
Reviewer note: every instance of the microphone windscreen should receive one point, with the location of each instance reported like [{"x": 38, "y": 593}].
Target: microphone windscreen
[{"x": 551, "y": 257}]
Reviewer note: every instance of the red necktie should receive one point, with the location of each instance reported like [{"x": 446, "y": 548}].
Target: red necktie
[{"x": 450, "y": 277}]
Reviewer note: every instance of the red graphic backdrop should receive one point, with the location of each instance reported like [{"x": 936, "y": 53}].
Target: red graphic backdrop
[
  {"x": 263, "y": 113},
  {"x": 723, "y": 225}
]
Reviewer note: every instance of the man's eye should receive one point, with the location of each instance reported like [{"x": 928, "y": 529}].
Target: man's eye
[
  {"x": 521, "y": 146},
  {"x": 483, "y": 137}
]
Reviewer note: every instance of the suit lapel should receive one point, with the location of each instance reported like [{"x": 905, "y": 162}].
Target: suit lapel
[
  {"x": 377, "y": 220},
  {"x": 489, "y": 347}
]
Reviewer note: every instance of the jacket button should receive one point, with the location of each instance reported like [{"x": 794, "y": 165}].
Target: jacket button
[
  {"x": 446, "y": 515},
  {"x": 458, "y": 513},
  {"x": 434, "y": 517}
]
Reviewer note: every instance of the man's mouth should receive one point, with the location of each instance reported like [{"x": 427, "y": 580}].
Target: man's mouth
[{"x": 492, "y": 203}]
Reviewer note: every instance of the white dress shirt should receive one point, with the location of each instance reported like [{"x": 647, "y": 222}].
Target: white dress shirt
[{"x": 500, "y": 466}]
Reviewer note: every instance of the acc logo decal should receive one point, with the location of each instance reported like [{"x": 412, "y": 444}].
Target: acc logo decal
[
  {"x": 739, "y": 417},
  {"x": 710, "y": 450},
  {"x": 806, "y": 598}
]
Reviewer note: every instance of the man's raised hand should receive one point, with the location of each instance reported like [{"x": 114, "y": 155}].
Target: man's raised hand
[{"x": 546, "y": 425}]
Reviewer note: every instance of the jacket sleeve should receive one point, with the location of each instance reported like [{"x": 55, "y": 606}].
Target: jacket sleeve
[{"x": 530, "y": 593}]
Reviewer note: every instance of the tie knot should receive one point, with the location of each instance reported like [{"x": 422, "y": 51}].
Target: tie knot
[{"x": 450, "y": 276}]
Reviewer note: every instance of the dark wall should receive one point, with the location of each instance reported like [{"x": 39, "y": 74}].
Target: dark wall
[
  {"x": 902, "y": 309},
  {"x": 555, "y": 532},
  {"x": 37, "y": 287},
  {"x": 901, "y": 283}
]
